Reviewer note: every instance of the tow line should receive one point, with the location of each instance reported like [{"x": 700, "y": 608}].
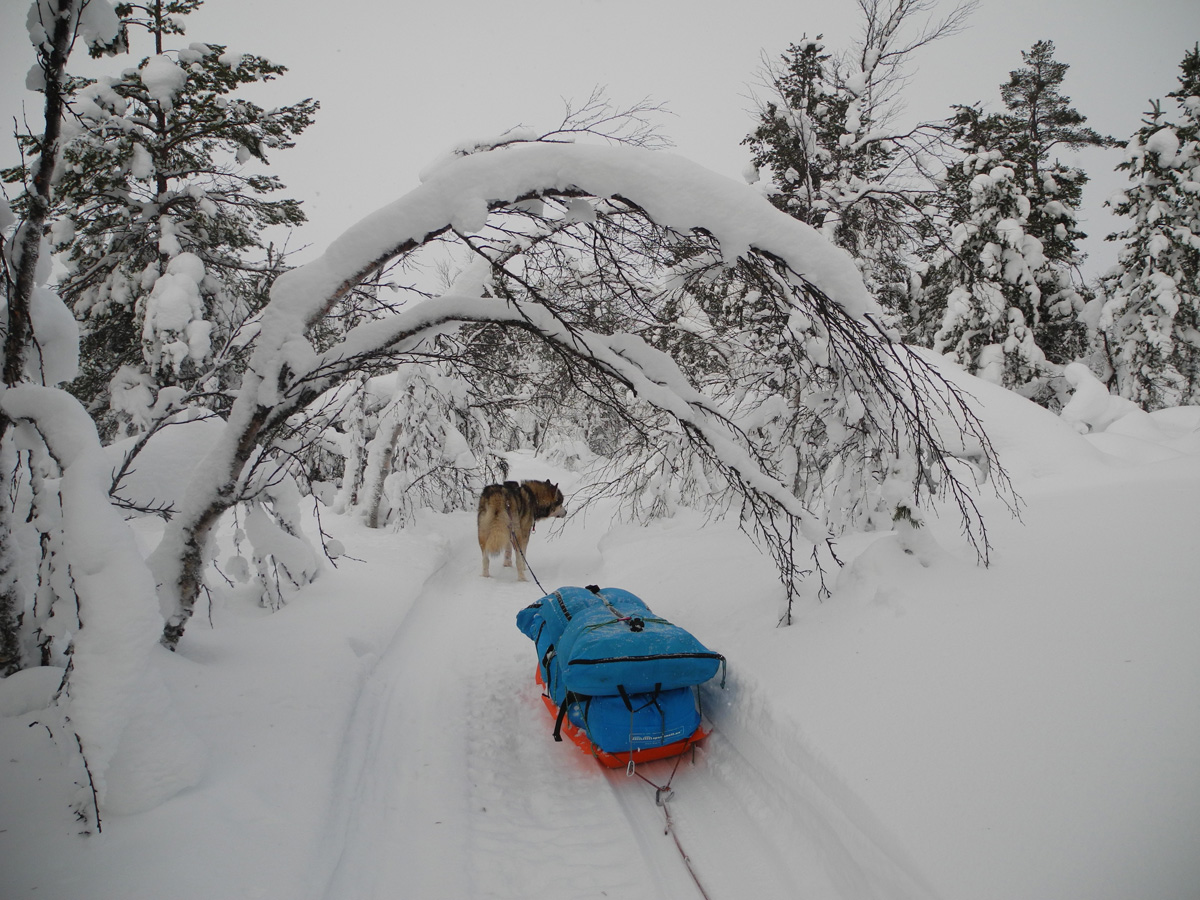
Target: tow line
[{"x": 663, "y": 794}]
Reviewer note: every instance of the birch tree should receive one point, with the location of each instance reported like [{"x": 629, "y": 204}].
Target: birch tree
[
  {"x": 604, "y": 208},
  {"x": 54, "y": 29}
]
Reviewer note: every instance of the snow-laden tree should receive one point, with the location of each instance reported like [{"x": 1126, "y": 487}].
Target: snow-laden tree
[
  {"x": 827, "y": 149},
  {"x": 1149, "y": 324},
  {"x": 1005, "y": 283},
  {"x": 414, "y": 442},
  {"x": 39, "y": 345},
  {"x": 74, "y": 588},
  {"x": 988, "y": 280},
  {"x": 159, "y": 218},
  {"x": 527, "y": 208}
]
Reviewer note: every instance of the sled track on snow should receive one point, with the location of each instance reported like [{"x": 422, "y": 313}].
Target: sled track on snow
[{"x": 530, "y": 818}]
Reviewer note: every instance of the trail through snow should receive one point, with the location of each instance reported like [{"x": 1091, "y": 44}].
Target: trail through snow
[{"x": 453, "y": 703}]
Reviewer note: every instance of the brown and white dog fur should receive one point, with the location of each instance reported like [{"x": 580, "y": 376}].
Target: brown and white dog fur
[{"x": 507, "y": 513}]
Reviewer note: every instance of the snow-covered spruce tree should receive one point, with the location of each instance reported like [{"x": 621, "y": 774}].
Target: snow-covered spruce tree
[
  {"x": 828, "y": 151},
  {"x": 159, "y": 219},
  {"x": 1149, "y": 325},
  {"x": 988, "y": 280},
  {"x": 1006, "y": 279},
  {"x": 521, "y": 206}
]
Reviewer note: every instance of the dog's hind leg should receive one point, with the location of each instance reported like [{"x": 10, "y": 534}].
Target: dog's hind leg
[
  {"x": 484, "y": 539},
  {"x": 521, "y": 560}
]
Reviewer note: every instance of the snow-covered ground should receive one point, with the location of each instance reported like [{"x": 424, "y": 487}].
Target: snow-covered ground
[{"x": 935, "y": 729}]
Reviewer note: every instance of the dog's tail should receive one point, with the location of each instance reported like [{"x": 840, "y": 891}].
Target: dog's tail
[
  {"x": 494, "y": 520},
  {"x": 493, "y": 531}
]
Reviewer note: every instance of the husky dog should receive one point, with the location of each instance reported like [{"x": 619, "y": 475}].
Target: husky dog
[{"x": 506, "y": 516}]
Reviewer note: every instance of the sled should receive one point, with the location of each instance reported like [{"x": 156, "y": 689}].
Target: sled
[
  {"x": 620, "y": 759},
  {"x": 621, "y": 683}
]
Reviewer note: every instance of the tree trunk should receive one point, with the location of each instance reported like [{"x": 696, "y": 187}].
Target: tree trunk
[
  {"x": 180, "y": 557},
  {"x": 11, "y": 600},
  {"x": 383, "y": 465},
  {"x": 30, "y": 234},
  {"x": 20, "y": 294}
]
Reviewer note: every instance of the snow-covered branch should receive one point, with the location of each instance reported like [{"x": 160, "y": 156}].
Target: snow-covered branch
[{"x": 562, "y": 228}]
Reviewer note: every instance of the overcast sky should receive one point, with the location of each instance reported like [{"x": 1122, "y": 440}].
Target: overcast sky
[{"x": 401, "y": 82}]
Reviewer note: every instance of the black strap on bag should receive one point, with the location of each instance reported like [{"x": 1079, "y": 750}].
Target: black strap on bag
[
  {"x": 562, "y": 714},
  {"x": 625, "y": 697}
]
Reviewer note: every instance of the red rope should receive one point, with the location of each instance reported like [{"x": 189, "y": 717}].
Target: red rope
[{"x": 687, "y": 861}]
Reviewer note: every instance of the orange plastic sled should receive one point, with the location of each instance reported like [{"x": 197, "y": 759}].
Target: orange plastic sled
[{"x": 580, "y": 738}]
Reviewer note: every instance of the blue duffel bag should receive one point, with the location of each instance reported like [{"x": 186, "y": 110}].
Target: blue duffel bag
[
  {"x": 607, "y": 642},
  {"x": 634, "y": 722}
]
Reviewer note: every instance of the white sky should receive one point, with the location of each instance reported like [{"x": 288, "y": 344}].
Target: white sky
[{"x": 400, "y": 82}]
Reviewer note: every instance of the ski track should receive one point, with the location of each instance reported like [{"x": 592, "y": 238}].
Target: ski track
[{"x": 453, "y": 701}]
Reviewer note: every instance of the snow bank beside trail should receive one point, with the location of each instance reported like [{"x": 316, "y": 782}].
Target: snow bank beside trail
[
  {"x": 270, "y": 696},
  {"x": 1139, "y": 437},
  {"x": 1034, "y": 446},
  {"x": 1046, "y": 710}
]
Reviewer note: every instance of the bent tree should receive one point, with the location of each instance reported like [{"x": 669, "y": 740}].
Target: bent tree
[{"x": 806, "y": 407}]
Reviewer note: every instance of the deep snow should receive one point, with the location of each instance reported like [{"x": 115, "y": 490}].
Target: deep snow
[{"x": 934, "y": 730}]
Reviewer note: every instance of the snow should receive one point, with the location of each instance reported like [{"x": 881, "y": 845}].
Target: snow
[
  {"x": 175, "y": 328},
  {"x": 163, "y": 79},
  {"x": 29, "y": 690},
  {"x": 1165, "y": 144},
  {"x": 54, "y": 356},
  {"x": 1092, "y": 407},
  {"x": 141, "y": 164},
  {"x": 98, "y": 23},
  {"x": 933, "y": 730}
]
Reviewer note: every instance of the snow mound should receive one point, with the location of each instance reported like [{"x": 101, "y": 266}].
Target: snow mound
[
  {"x": 158, "y": 756},
  {"x": 29, "y": 690}
]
